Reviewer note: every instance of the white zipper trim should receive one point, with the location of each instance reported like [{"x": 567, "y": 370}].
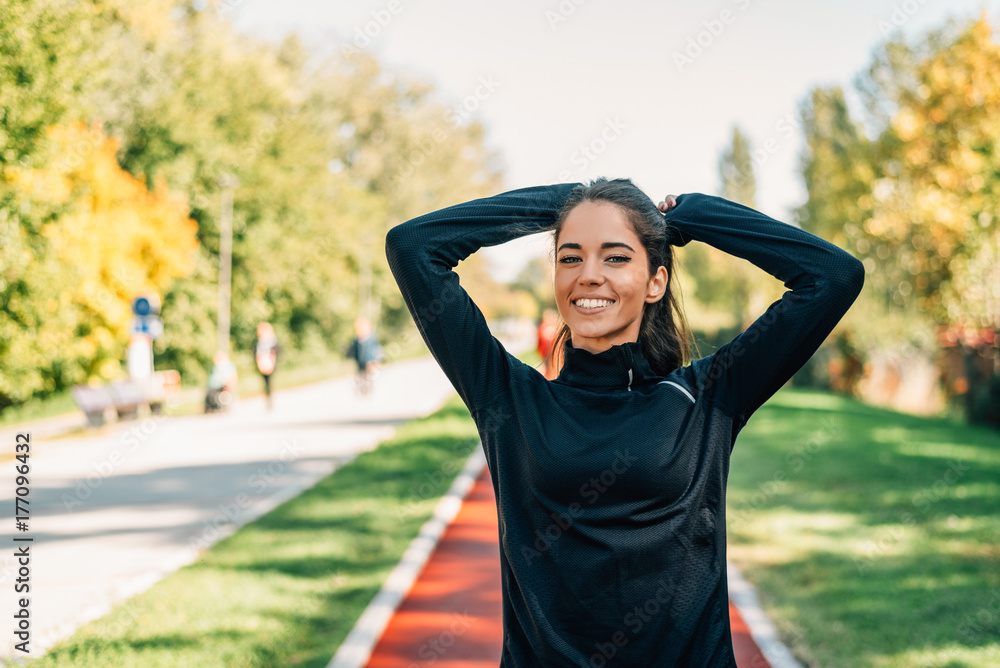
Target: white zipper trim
[
  {"x": 679, "y": 387},
  {"x": 629, "y": 388}
]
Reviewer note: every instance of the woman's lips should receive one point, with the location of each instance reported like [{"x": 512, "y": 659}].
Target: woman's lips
[{"x": 591, "y": 310}]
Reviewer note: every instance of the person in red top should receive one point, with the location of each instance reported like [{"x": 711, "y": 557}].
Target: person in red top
[
  {"x": 548, "y": 330},
  {"x": 265, "y": 350}
]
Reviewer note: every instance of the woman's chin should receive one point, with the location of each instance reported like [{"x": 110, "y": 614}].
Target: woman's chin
[{"x": 589, "y": 334}]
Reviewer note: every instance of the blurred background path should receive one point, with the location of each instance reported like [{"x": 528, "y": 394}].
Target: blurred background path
[{"x": 111, "y": 514}]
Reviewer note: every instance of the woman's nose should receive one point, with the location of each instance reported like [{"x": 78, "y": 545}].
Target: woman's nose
[{"x": 590, "y": 273}]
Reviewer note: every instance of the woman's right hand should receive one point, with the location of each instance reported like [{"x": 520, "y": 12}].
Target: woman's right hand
[{"x": 667, "y": 204}]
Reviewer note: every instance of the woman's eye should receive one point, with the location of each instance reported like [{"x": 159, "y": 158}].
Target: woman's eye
[{"x": 614, "y": 259}]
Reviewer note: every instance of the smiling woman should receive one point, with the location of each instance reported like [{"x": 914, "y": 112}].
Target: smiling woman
[
  {"x": 611, "y": 479},
  {"x": 613, "y": 275}
]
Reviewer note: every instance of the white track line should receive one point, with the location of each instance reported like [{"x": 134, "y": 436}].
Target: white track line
[
  {"x": 744, "y": 597},
  {"x": 357, "y": 648}
]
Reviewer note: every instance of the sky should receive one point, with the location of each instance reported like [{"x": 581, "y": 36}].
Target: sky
[{"x": 569, "y": 90}]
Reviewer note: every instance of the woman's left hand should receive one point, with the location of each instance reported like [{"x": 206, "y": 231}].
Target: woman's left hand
[{"x": 667, "y": 204}]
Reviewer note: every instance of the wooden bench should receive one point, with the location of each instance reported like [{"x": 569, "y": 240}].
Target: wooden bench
[
  {"x": 93, "y": 400},
  {"x": 126, "y": 397}
]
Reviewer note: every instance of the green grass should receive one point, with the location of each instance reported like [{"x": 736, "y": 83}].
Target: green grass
[
  {"x": 39, "y": 409},
  {"x": 872, "y": 535},
  {"x": 287, "y": 588}
]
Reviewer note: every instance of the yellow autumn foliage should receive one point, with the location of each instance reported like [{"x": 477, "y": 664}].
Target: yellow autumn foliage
[
  {"x": 111, "y": 235},
  {"x": 940, "y": 201}
]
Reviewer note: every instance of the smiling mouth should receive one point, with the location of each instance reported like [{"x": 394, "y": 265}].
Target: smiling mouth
[{"x": 593, "y": 304}]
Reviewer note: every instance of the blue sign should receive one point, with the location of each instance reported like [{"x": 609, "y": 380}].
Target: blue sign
[
  {"x": 142, "y": 306},
  {"x": 148, "y": 325}
]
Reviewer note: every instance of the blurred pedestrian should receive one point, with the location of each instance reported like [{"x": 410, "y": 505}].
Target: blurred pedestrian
[
  {"x": 221, "y": 383},
  {"x": 265, "y": 352},
  {"x": 366, "y": 352},
  {"x": 548, "y": 330}
]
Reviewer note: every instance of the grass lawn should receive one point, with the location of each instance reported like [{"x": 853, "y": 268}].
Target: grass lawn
[
  {"x": 873, "y": 536},
  {"x": 286, "y": 589}
]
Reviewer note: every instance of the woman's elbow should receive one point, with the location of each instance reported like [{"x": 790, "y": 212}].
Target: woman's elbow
[
  {"x": 398, "y": 240},
  {"x": 847, "y": 277},
  {"x": 856, "y": 273}
]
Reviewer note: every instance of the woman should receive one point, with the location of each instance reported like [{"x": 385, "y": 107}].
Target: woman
[
  {"x": 265, "y": 353},
  {"x": 610, "y": 480}
]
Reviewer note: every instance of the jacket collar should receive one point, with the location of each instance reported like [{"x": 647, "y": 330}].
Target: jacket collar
[{"x": 621, "y": 367}]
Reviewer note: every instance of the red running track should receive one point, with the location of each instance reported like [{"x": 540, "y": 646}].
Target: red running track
[{"x": 451, "y": 618}]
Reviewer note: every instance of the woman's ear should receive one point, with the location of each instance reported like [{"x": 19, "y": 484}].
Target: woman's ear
[{"x": 657, "y": 286}]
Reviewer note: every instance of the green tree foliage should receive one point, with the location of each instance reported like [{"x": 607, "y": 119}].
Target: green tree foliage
[
  {"x": 53, "y": 56},
  {"x": 728, "y": 292},
  {"x": 838, "y": 168},
  {"x": 536, "y": 279},
  {"x": 921, "y": 198},
  {"x": 330, "y": 152},
  {"x": 917, "y": 198}
]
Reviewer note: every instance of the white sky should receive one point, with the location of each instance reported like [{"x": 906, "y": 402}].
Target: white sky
[{"x": 565, "y": 72}]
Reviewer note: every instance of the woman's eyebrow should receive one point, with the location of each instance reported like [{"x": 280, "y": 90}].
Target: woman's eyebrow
[{"x": 606, "y": 244}]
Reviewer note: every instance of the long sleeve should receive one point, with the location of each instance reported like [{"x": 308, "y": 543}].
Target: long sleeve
[
  {"x": 824, "y": 281},
  {"x": 422, "y": 254}
]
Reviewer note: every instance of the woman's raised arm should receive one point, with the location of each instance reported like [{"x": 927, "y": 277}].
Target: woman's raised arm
[
  {"x": 422, "y": 254},
  {"x": 824, "y": 281}
]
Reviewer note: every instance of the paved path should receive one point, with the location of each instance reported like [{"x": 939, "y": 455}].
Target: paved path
[
  {"x": 451, "y": 618},
  {"x": 114, "y": 512}
]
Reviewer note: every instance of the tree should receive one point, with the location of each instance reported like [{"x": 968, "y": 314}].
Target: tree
[
  {"x": 104, "y": 239},
  {"x": 330, "y": 153},
  {"x": 728, "y": 292},
  {"x": 918, "y": 200}
]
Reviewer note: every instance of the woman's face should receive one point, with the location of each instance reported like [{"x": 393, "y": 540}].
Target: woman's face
[{"x": 602, "y": 280}]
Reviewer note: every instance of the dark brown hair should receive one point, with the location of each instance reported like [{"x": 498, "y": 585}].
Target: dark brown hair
[{"x": 664, "y": 331}]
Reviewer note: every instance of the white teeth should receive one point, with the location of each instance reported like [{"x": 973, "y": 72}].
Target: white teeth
[{"x": 593, "y": 303}]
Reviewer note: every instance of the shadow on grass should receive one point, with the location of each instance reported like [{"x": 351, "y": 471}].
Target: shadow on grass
[{"x": 870, "y": 533}]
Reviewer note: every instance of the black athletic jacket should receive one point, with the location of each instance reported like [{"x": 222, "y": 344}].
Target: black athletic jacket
[{"x": 611, "y": 480}]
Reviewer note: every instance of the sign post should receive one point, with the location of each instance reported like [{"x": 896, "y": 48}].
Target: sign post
[{"x": 146, "y": 326}]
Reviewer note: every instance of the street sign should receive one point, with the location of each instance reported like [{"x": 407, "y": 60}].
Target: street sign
[
  {"x": 146, "y": 305},
  {"x": 148, "y": 325}
]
